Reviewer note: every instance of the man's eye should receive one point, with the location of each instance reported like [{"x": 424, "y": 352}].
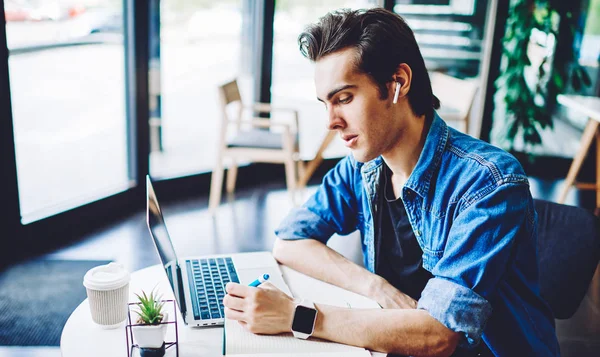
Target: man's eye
[{"x": 345, "y": 100}]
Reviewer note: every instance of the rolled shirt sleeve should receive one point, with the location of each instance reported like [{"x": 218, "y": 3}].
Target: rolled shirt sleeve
[
  {"x": 332, "y": 209},
  {"x": 458, "y": 308},
  {"x": 476, "y": 256}
]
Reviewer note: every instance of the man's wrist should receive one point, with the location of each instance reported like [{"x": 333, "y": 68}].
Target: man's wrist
[
  {"x": 291, "y": 310},
  {"x": 374, "y": 286},
  {"x": 318, "y": 331}
]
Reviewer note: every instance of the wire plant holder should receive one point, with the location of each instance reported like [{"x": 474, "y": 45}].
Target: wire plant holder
[{"x": 129, "y": 332}]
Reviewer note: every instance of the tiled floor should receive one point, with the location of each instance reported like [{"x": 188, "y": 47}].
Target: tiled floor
[{"x": 246, "y": 223}]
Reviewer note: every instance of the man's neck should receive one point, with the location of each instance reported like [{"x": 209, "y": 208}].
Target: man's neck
[{"x": 403, "y": 157}]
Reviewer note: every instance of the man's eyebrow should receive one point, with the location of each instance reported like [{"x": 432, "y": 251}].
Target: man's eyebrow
[{"x": 336, "y": 90}]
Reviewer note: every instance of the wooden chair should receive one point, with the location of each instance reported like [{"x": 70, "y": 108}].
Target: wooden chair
[
  {"x": 590, "y": 107},
  {"x": 247, "y": 138},
  {"x": 456, "y": 96}
]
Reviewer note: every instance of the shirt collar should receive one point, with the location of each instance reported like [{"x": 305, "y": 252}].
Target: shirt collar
[
  {"x": 429, "y": 160},
  {"x": 366, "y": 166}
]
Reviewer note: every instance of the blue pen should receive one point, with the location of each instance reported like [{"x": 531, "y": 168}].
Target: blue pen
[{"x": 261, "y": 279}]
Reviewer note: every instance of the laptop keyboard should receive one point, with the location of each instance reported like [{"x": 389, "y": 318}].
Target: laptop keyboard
[{"x": 207, "y": 285}]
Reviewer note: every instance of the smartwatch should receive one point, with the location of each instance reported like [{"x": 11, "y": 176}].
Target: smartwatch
[{"x": 305, "y": 317}]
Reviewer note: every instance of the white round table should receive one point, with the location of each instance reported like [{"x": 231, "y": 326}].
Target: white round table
[{"x": 82, "y": 337}]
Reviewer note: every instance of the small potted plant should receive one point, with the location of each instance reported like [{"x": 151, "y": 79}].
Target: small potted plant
[{"x": 148, "y": 332}]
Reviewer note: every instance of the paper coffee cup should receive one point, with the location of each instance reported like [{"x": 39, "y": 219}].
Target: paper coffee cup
[{"x": 108, "y": 293}]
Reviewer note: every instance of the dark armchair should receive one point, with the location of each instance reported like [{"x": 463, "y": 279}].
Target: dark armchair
[{"x": 568, "y": 254}]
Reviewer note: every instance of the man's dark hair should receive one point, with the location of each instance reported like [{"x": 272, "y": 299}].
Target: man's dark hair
[{"x": 382, "y": 40}]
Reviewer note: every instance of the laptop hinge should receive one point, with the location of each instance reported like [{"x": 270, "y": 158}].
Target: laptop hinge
[{"x": 181, "y": 297}]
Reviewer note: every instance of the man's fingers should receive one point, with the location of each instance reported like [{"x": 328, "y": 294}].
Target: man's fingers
[
  {"x": 233, "y": 314},
  {"x": 268, "y": 286},
  {"x": 238, "y": 289},
  {"x": 233, "y": 302}
]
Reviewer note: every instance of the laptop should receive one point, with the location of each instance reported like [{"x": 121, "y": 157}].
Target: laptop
[{"x": 198, "y": 283}]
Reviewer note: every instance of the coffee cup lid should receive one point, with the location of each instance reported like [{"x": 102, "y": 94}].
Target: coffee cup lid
[{"x": 106, "y": 277}]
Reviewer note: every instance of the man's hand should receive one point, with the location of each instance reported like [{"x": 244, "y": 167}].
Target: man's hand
[
  {"x": 388, "y": 297},
  {"x": 263, "y": 310}
]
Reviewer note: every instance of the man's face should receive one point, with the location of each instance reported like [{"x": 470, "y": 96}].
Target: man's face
[{"x": 363, "y": 120}]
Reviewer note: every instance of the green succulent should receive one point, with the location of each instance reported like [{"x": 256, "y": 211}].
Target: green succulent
[{"x": 150, "y": 309}]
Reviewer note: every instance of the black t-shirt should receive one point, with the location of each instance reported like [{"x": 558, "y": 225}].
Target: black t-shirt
[{"x": 399, "y": 257}]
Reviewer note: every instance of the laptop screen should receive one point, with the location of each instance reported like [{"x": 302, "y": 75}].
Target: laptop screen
[{"x": 163, "y": 243}]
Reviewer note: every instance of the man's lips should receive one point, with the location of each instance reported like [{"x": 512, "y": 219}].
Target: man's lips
[{"x": 349, "y": 140}]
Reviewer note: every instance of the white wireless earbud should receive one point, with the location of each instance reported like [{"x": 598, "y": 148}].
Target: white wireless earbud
[{"x": 397, "y": 93}]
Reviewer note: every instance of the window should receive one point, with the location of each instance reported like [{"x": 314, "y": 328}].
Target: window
[
  {"x": 449, "y": 33},
  {"x": 67, "y": 83}
]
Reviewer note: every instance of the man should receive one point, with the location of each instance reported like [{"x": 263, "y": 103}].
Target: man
[{"x": 447, "y": 221}]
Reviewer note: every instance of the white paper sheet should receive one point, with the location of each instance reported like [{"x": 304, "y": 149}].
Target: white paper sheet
[{"x": 240, "y": 341}]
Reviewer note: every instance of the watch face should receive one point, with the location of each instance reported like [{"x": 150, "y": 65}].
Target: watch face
[{"x": 304, "y": 319}]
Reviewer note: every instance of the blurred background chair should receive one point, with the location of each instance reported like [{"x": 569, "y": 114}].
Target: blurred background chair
[
  {"x": 568, "y": 254},
  {"x": 245, "y": 137},
  {"x": 456, "y": 97}
]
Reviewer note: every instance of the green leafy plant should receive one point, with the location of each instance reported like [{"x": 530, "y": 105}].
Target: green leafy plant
[
  {"x": 529, "y": 106},
  {"x": 150, "y": 308}
]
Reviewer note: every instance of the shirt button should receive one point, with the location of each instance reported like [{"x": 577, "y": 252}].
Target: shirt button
[{"x": 418, "y": 233}]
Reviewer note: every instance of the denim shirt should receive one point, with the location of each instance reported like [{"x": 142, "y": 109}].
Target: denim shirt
[{"x": 472, "y": 213}]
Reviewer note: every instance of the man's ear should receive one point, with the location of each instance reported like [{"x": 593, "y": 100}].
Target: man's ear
[{"x": 403, "y": 76}]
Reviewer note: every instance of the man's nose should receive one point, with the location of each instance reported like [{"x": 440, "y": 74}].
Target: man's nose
[{"x": 335, "y": 121}]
